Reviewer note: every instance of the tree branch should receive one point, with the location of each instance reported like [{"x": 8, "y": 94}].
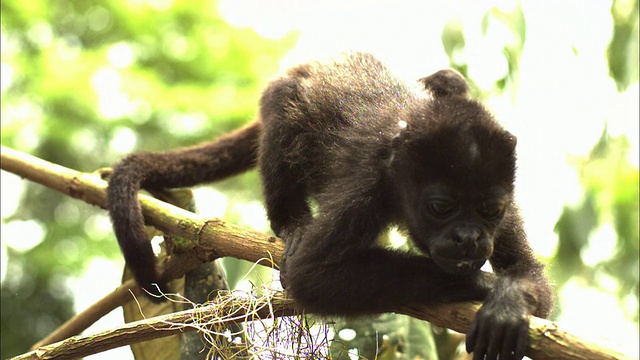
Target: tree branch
[
  {"x": 237, "y": 308},
  {"x": 213, "y": 238}
]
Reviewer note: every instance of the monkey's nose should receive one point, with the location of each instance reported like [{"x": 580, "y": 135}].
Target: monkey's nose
[{"x": 466, "y": 235}]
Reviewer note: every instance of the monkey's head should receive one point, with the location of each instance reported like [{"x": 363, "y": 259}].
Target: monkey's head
[{"x": 454, "y": 166}]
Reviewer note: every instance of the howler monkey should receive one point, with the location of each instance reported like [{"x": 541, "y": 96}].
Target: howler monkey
[{"x": 370, "y": 151}]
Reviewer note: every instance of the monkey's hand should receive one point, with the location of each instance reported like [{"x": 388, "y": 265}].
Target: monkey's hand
[{"x": 501, "y": 326}]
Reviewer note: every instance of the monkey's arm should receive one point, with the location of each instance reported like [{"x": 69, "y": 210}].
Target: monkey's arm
[
  {"x": 336, "y": 268},
  {"x": 501, "y": 326},
  {"x": 229, "y": 155}
]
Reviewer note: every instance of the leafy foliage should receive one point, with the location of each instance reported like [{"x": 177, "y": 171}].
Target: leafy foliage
[
  {"x": 512, "y": 22},
  {"x": 623, "y": 48},
  {"x": 610, "y": 198}
]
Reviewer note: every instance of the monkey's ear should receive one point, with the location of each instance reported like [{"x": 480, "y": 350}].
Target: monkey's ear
[
  {"x": 511, "y": 141},
  {"x": 445, "y": 82}
]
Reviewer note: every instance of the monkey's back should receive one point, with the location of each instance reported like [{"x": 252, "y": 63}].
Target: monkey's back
[
  {"x": 349, "y": 90},
  {"x": 315, "y": 103}
]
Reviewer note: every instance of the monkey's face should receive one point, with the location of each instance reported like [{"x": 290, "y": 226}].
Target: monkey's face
[
  {"x": 456, "y": 178},
  {"x": 457, "y": 228}
]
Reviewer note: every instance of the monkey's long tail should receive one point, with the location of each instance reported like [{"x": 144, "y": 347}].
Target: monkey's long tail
[{"x": 227, "y": 156}]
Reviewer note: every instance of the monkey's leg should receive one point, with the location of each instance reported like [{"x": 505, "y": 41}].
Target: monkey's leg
[
  {"x": 283, "y": 188},
  {"x": 282, "y": 162}
]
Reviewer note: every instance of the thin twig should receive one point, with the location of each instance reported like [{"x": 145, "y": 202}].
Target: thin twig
[{"x": 166, "y": 325}]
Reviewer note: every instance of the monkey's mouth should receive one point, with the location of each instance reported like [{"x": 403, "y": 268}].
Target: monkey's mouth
[{"x": 458, "y": 266}]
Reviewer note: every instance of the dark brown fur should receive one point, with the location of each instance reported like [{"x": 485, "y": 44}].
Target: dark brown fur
[{"x": 370, "y": 152}]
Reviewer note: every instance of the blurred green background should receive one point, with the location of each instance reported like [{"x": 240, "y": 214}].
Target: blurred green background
[{"x": 86, "y": 82}]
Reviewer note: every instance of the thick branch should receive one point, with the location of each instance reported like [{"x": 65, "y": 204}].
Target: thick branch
[
  {"x": 209, "y": 238},
  {"x": 212, "y": 238}
]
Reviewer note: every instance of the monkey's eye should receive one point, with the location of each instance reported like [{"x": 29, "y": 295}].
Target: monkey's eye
[
  {"x": 492, "y": 211},
  {"x": 441, "y": 208}
]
